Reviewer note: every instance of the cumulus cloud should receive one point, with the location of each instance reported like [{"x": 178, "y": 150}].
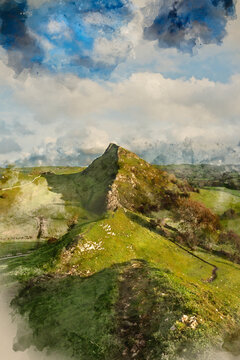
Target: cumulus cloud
[
  {"x": 132, "y": 108},
  {"x": 60, "y": 35},
  {"x": 15, "y": 127},
  {"x": 90, "y": 38},
  {"x": 144, "y": 105},
  {"x": 8, "y": 145},
  {"x": 4, "y": 129},
  {"x": 184, "y": 24},
  {"x": 143, "y": 98},
  {"x": 135, "y": 113}
]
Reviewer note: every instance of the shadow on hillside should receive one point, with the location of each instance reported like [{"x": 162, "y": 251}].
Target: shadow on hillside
[
  {"x": 144, "y": 223},
  {"x": 89, "y": 188}
]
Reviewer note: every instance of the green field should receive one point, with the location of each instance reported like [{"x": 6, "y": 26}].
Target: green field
[{"x": 219, "y": 199}]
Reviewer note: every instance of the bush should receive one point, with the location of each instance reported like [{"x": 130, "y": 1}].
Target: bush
[
  {"x": 230, "y": 237},
  {"x": 197, "y": 215}
]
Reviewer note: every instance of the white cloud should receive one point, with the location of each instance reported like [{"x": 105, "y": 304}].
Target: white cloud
[
  {"x": 58, "y": 28},
  {"x": 111, "y": 51},
  {"x": 144, "y": 102}
]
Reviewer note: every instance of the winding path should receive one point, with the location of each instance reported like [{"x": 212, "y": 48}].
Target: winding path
[
  {"x": 20, "y": 186},
  {"x": 14, "y": 256}
]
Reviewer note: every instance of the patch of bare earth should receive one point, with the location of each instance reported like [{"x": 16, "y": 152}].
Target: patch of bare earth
[{"x": 132, "y": 321}]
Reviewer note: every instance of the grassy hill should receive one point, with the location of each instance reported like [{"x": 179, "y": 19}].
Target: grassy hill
[
  {"x": 141, "y": 274},
  {"x": 109, "y": 281},
  {"x": 118, "y": 178}
]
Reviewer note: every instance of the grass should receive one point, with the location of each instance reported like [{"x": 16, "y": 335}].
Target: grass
[
  {"x": 71, "y": 315},
  {"x": 133, "y": 241},
  {"x": 232, "y": 224},
  {"x": 14, "y": 248},
  {"x": 49, "y": 302},
  {"x": 130, "y": 240},
  {"x": 112, "y": 284},
  {"x": 89, "y": 317},
  {"x": 219, "y": 199},
  {"x": 58, "y": 170}
]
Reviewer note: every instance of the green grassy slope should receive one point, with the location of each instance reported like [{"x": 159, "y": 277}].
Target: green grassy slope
[{"x": 166, "y": 281}]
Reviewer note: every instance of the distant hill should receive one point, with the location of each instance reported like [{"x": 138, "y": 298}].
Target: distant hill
[
  {"x": 191, "y": 151},
  {"x": 206, "y": 175},
  {"x": 188, "y": 151}
]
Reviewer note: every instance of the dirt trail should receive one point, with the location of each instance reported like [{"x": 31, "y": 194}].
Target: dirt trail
[
  {"x": 130, "y": 322},
  {"x": 14, "y": 256},
  {"x": 20, "y": 186}
]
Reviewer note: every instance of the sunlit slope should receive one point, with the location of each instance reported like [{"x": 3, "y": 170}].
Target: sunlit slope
[
  {"x": 94, "y": 246},
  {"x": 118, "y": 239},
  {"x": 165, "y": 283},
  {"x": 24, "y": 200}
]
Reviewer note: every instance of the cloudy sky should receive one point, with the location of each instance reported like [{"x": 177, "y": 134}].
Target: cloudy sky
[{"x": 76, "y": 75}]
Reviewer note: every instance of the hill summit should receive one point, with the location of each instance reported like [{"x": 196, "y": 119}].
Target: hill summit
[{"x": 120, "y": 179}]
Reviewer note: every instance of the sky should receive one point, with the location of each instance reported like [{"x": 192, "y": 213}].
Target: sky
[{"x": 76, "y": 75}]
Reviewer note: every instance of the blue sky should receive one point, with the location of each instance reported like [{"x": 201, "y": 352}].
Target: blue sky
[{"x": 76, "y": 75}]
